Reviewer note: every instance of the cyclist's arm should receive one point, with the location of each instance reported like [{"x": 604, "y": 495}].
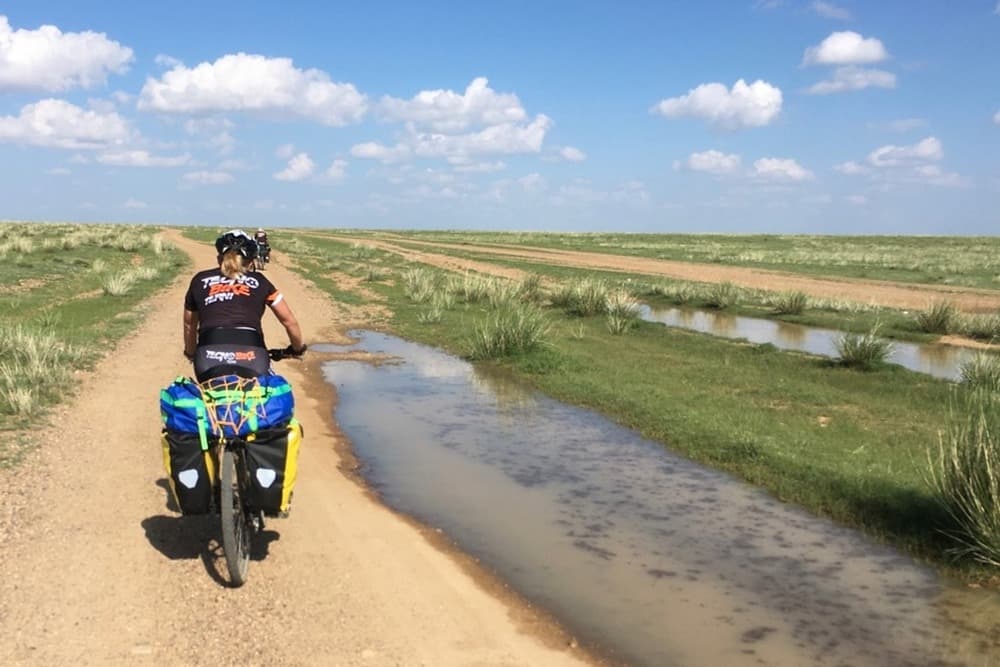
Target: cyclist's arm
[
  {"x": 190, "y": 332},
  {"x": 287, "y": 319}
]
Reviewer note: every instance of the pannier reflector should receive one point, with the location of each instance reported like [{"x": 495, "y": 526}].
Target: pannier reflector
[
  {"x": 188, "y": 478},
  {"x": 266, "y": 477}
]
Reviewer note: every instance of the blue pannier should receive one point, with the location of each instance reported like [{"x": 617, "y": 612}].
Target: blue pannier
[{"x": 265, "y": 402}]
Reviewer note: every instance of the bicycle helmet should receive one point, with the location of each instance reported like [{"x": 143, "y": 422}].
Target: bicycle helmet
[{"x": 238, "y": 240}]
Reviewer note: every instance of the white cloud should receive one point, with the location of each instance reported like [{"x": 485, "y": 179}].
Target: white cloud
[
  {"x": 830, "y": 10},
  {"x": 851, "y": 168},
  {"x": 481, "y": 167},
  {"x": 711, "y": 162},
  {"x": 208, "y": 177},
  {"x": 59, "y": 124},
  {"x": 782, "y": 170},
  {"x": 59, "y": 171},
  {"x": 934, "y": 175},
  {"x": 141, "y": 158},
  {"x": 49, "y": 59},
  {"x": 284, "y": 151},
  {"x": 299, "y": 167},
  {"x": 571, "y": 154},
  {"x": 167, "y": 62},
  {"x": 505, "y": 139},
  {"x": 448, "y": 111},
  {"x": 996, "y": 118},
  {"x": 134, "y": 203},
  {"x": 928, "y": 149},
  {"x": 857, "y": 200},
  {"x": 744, "y": 105},
  {"x": 854, "y": 78},
  {"x": 845, "y": 48},
  {"x": 997, "y": 10},
  {"x": 337, "y": 171},
  {"x": 232, "y": 165},
  {"x": 257, "y": 84}
]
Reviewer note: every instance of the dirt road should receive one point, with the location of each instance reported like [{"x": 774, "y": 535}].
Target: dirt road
[
  {"x": 95, "y": 569},
  {"x": 892, "y": 294}
]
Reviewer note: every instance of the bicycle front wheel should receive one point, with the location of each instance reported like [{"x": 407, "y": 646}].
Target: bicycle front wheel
[{"x": 236, "y": 528}]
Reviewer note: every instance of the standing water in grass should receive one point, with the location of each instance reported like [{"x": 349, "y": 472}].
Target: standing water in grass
[
  {"x": 942, "y": 361},
  {"x": 643, "y": 554}
]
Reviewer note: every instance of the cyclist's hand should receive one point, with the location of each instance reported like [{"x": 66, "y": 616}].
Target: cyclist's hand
[{"x": 292, "y": 352}]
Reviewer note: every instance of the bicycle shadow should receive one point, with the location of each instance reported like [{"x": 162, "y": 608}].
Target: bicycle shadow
[{"x": 188, "y": 537}]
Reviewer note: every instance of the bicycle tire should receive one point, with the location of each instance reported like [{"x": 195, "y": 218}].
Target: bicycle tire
[{"x": 236, "y": 529}]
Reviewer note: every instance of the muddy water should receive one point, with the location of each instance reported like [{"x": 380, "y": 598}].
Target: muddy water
[
  {"x": 653, "y": 559},
  {"x": 943, "y": 361}
]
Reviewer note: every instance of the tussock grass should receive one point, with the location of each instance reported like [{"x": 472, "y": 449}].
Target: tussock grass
[
  {"x": 99, "y": 265},
  {"x": 940, "y": 318},
  {"x": 471, "y": 288},
  {"x": 362, "y": 252},
  {"x": 432, "y": 315},
  {"x": 530, "y": 289},
  {"x": 119, "y": 284},
  {"x": 982, "y": 372},
  {"x": 145, "y": 273},
  {"x": 965, "y": 475},
  {"x": 790, "y": 303},
  {"x": 981, "y": 327},
  {"x": 582, "y": 297},
  {"x": 22, "y": 245},
  {"x": 863, "y": 351},
  {"x": 373, "y": 274},
  {"x": 622, "y": 312},
  {"x": 722, "y": 296},
  {"x": 35, "y": 363},
  {"x": 419, "y": 285},
  {"x": 507, "y": 331}
]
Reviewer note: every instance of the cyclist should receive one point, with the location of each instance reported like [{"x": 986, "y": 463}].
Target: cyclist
[
  {"x": 263, "y": 248},
  {"x": 223, "y": 309}
]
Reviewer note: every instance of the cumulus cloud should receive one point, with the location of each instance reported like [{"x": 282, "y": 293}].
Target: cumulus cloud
[
  {"x": 59, "y": 124},
  {"x": 208, "y": 178},
  {"x": 915, "y": 163},
  {"x": 51, "y": 60},
  {"x": 448, "y": 111},
  {"x": 854, "y": 78},
  {"x": 830, "y": 10},
  {"x": 141, "y": 158},
  {"x": 928, "y": 149},
  {"x": 505, "y": 139},
  {"x": 337, "y": 171},
  {"x": 845, "y": 48},
  {"x": 711, "y": 162},
  {"x": 481, "y": 167},
  {"x": 743, "y": 105},
  {"x": 571, "y": 154},
  {"x": 254, "y": 84},
  {"x": 781, "y": 170},
  {"x": 299, "y": 167}
]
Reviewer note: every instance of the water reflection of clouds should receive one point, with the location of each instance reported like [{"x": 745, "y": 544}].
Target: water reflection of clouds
[{"x": 625, "y": 538}]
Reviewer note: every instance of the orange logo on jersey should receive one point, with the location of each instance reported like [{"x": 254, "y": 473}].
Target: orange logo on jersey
[{"x": 229, "y": 288}]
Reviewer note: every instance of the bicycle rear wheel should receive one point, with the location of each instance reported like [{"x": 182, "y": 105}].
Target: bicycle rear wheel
[{"x": 236, "y": 527}]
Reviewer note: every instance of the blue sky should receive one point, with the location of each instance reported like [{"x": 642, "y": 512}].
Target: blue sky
[{"x": 755, "y": 116}]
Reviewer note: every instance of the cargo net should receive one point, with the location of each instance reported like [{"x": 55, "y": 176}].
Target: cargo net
[{"x": 232, "y": 402}]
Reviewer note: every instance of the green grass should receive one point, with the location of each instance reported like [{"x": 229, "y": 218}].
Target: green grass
[
  {"x": 866, "y": 352},
  {"x": 73, "y": 291}
]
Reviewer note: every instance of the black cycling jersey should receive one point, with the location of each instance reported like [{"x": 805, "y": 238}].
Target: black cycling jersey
[{"x": 230, "y": 303}]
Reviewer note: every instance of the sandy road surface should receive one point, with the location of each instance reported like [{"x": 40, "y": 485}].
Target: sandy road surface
[
  {"x": 892, "y": 294},
  {"x": 95, "y": 569}
]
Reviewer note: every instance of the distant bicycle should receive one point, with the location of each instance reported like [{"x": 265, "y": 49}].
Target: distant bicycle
[{"x": 263, "y": 254}]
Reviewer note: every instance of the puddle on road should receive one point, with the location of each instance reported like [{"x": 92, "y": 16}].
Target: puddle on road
[
  {"x": 652, "y": 558},
  {"x": 941, "y": 361}
]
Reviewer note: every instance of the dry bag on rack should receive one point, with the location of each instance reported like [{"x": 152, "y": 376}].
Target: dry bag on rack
[
  {"x": 190, "y": 470},
  {"x": 265, "y": 402},
  {"x": 272, "y": 459}
]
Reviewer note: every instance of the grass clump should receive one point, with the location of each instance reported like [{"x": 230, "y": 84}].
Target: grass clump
[
  {"x": 791, "y": 303},
  {"x": 622, "y": 312},
  {"x": 419, "y": 285},
  {"x": 721, "y": 296},
  {"x": 118, "y": 284},
  {"x": 583, "y": 297},
  {"x": 507, "y": 331},
  {"x": 863, "y": 351},
  {"x": 966, "y": 477},
  {"x": 981, "y": 327},
  {"x": 940, "y": 318},
  {"x": 982, "y": 372}
]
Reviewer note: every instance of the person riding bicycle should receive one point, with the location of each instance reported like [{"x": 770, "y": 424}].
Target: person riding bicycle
[
  {"x": 223, "y": 309},
  {"x": 264, "y": 248}
]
